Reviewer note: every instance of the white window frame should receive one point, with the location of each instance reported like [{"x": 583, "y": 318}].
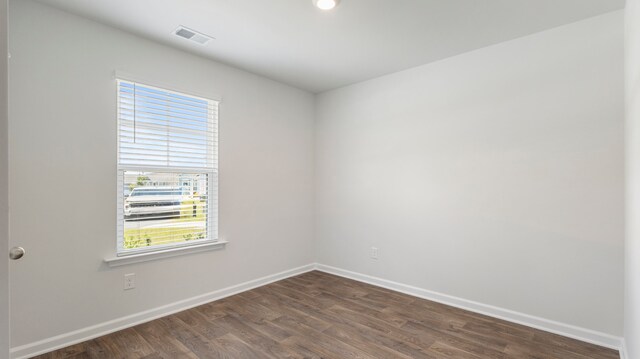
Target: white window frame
[{"x": 166, "y": 250}]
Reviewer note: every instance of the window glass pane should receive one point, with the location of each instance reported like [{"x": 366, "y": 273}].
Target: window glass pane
[{"x": 164, "y": 208}]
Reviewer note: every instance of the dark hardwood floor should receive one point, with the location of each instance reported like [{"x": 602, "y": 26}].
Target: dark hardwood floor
[{"x": 317, "y": 315}]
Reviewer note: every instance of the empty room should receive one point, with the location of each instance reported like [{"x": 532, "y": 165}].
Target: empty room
[{"x": 320, "y": 179}]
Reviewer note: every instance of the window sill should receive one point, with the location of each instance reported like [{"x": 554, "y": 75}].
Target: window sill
[{"x": 167, "y": 253}]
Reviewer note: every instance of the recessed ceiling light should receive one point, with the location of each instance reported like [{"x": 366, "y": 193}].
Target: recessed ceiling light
[{"x": 325, "y": 4}]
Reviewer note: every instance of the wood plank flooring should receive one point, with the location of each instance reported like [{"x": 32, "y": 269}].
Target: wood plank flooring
[{"x": 317, "y": 315}]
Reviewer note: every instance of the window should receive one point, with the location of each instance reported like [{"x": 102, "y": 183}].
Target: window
[{"x": 167, "y": 169}]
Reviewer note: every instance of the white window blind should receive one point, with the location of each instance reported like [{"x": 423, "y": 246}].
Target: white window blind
[{"x": 167, "y": 168}]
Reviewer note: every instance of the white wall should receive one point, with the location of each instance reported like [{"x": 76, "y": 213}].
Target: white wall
[
  {"x": 4, "y": 186},
  {"x": 632, "y": 131},
  {"x": 63, "y": 172},
  {"x": 494, "y": 176},
  {"x": 502, "y": 168}
]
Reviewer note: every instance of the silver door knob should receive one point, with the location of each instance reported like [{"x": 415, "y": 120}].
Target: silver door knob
[{"x": 16, "y": 253}]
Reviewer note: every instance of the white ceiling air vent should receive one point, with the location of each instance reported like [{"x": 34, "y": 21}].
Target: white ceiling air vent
[{"x": 192, "y": 35}]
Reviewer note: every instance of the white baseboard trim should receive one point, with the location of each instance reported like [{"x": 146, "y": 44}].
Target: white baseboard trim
[
  {"x": 623, "y": 350},
  {"x": 567, "y": 330},
  {"x": 88, "y": 333}
]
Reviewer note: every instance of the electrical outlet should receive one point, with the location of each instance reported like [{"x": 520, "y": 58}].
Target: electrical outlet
[
  {"x": 374, "y": 252},
  {"x": 129, "y": 281}
]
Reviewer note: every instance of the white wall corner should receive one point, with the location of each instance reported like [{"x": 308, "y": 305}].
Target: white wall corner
[
  {"x": 623, "y": 349},
  {"x": 567, "y": 330}
]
